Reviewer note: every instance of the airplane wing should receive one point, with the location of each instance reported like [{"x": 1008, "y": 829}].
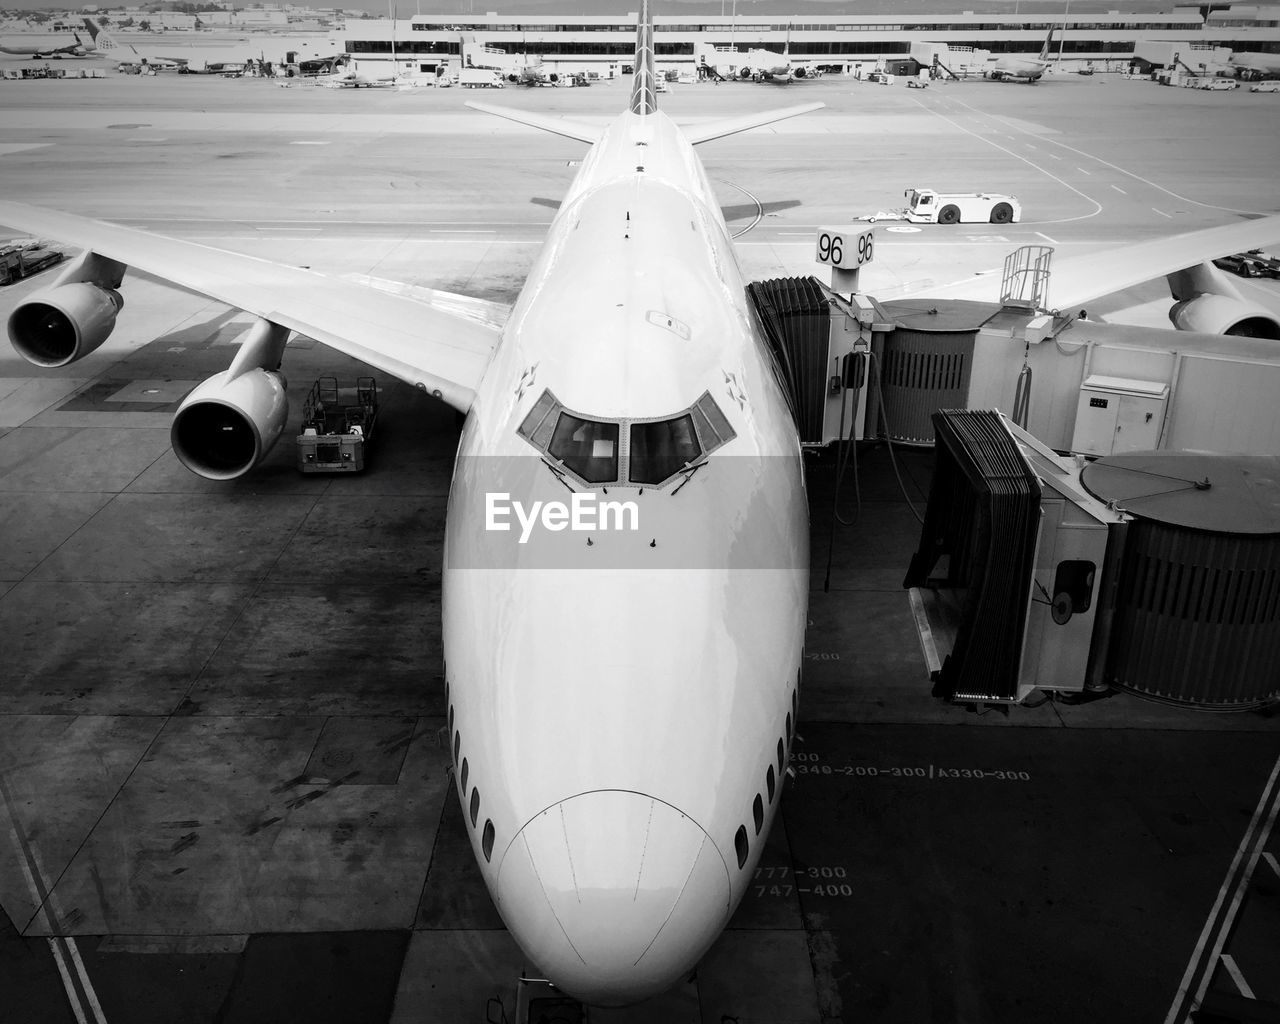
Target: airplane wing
[
  {"x": 555, "y": 125},
  {"x": 1080, "y": 279},
  {"x": 709, "y": 130},
  {"x": 428, "y": 344}
]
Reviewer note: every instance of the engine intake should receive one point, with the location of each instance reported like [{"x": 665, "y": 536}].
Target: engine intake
[
  {"x": 1224, "y": 314},
  {"x": 227, "y": 425},
  {"x": 64, "y": 323}
]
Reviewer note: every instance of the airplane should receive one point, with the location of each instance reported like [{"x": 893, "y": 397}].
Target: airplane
[
  {"x": 511, "y": 65},
  {"x": 1026, "y": 69},
  {"x": 620, "y": 705},
  {"x": 348, "y": 72},
  {"x": 756, "y": 64},
  {"x": 12, "y": 46},
  {"x": 1255, "y": 65},
  {"x": 105, "y": 45}
]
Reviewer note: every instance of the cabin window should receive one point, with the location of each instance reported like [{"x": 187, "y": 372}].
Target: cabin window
[
  {"x": 587, "y": 447},
  {"x": 769, "y": 781},
  {"x": 660, "y": 450},
  {"x": 464, "y": 774},
  {"x": 788, "y": 723},
  {"x": 451, "y": 718},
  {"x": 757, "y": 812},
  {"x": 782, "y": 758},
  {"x": 475, "y": 805},
  {"x": 740, "y": 844},
  {"x": 486, "y": 840},
  {"x": 457, "y": 746}
]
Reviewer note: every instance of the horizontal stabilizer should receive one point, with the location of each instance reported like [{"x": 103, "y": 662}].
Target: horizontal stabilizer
[
  {"x": 1080, "y": 279},
  {"x": 555, "y": 125},
  {"x": 696, "y": 133}
]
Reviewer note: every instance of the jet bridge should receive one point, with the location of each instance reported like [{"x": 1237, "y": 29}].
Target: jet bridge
[
  {"x": 856, "y": 367},
  {"x": 1156, "y": 573}
]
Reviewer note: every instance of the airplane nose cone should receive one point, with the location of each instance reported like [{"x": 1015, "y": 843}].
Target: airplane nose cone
[{"x": 614, "y": 894}]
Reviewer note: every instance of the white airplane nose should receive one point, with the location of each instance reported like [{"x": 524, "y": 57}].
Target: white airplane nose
[{"x": 620, "y": 895}]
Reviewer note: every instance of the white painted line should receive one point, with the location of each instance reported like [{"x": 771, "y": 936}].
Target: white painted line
[
  {"x": 1120, "y": 190},
  {"x": 67, "y": 983},
  {"x": 465, "y": 231},
  {"x": 1053, "y": 156},
  {"x": 17, "y": 147},
  {"x": 1097, "y": 206},
  {"x": 1270, "y": 858},
  {"x": 1229, "y": 962},
  {"x": 1221, "y": 917},
  {"x": 274, "y": 229},
  {"x": 1029, "y": 146},
  {"x": 1162, "y": 213},
  {"x": 1083, "y": 171},
  {"x": 311, "y": 142},
  {"x": 1051, "y": 241}
]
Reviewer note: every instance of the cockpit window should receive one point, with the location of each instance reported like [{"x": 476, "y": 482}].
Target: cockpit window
[
  {"x": 588, "y": 447},
  {"x": 643, "y": 453},
  {"x": 662, "y": 449}
]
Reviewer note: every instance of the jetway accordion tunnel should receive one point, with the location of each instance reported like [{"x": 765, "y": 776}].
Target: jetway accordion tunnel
[{"x": 1184, "y": 604}]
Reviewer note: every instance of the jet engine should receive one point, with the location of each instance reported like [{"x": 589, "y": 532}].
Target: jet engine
[
  {"x": 1224, "y": 314},
  {"x": 227, "y": 425},
  {"x": 1211, "y": 304},
  {"x": 64, "y": 323}
]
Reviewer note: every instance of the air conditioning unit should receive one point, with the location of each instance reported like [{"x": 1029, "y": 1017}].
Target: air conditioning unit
[{"x": 1116, "y": 414}]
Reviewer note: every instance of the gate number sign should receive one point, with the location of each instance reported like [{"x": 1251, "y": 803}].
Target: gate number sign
[{"x": 845, "y": 250}]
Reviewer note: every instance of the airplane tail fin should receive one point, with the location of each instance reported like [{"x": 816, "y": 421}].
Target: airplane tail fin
[
  {"x": 644, "y": 90},
  {"x": 1048, "y": 43},
  {"x": 93, "y": 29}
]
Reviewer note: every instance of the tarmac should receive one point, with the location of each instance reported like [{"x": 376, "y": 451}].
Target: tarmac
[{"x": 223, "y": 790}]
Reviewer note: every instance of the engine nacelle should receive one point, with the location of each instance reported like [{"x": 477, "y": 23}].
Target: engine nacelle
[
  {"x": 64, "y": 323},
  {"x": 1224, "y": 314},
  {"x": 227, "y": 425}
]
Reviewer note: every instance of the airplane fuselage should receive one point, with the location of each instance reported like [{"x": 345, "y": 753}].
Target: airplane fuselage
[{"x": 621, "y": 698}]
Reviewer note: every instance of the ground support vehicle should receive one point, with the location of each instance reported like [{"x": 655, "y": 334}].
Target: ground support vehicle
[
  {"x": 1265, "y": 87},
  {"x": 23, "y": 257},
  {"x": 335, "y": 436},
  {"x": 480, "y": 78},
  {"x": 1254, "y": 263},
  {"x": 925, "y": 206}
]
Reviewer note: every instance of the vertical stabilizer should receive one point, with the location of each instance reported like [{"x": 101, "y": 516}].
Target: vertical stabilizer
[
  {"x": 644, "y": 90},
  {"x": 1048, "y": 43}
]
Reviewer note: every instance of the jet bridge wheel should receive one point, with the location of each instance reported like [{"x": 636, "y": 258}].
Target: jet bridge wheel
[
  {"x": 949, "y": 215},
  {"x": 1002, "y": 213}
]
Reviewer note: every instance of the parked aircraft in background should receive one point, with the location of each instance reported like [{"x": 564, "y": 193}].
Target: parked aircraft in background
[
  {"x": 1023, "y": 69},
  {"x": 20, "y": 46},
  {"x": 512, "y": 66},
  {"x": 348, "y": 73},
  {"x": 106, "y": 45},
  {"x": 757, "y": 64},
  {"x": 620, "y": 706},
  {"x": 1255, "y": 65}
]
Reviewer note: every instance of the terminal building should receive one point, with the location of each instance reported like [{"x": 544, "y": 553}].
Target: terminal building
[{"x": 848, "y": 43}]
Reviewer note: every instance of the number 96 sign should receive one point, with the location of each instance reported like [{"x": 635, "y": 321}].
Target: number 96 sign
[{"x": 847, "y": 251}]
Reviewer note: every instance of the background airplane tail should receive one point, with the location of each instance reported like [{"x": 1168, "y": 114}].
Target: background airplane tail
[
  {"x": 1048, "y": 43},
  {"x": 644, "y": 94}
]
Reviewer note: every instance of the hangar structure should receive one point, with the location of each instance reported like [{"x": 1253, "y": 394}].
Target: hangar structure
[{"x": 429, "y": 42}]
